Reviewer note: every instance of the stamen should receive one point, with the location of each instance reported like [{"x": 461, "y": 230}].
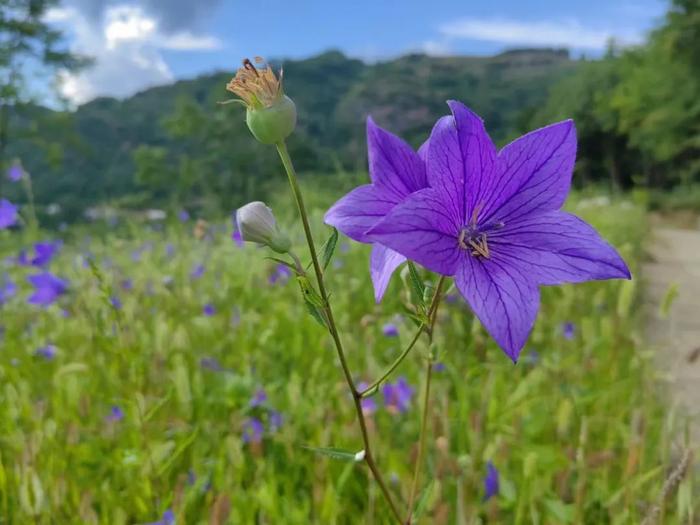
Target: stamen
[{"x": 247, "y": 64}]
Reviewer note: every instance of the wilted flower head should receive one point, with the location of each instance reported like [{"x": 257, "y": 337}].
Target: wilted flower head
[
  {"x": 8, "y": 214},
  {"x": 47, "y": 288},
  {"x": 257, "y": 224},
  {"x": 271, "y": 115},
  {"x": 491, "y": 483},
  {"x": 397, "y": 396},
  {"x": 493, "y": 220}
]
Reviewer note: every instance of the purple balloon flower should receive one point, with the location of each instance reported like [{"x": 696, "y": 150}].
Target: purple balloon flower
[
  {"x": 390, "y": 330},
  {"x": 115, "y": 415},
  {"x": 253, "y": 431},
  {"x": 491, "y": 484},
  {"x": 48, "y": 352},
  {"x": 397, "y": 396},
  {"x": 568, "y": 330},
  {"x": 47, "y": 288},
  {"x": 209, "y": 310},
  {"x": 7, "y": 289},
  {"x": 396, "y": 172},
  {"x": 44, "y": 252},
  {"x": 116, "y": 302},
  {"x": 259, "y": 398},
  {"x": 493, "y": 221},
  {"x": 8, "y": 214},
  {"x": 183, "y": 215},
  {"x": 15, "y": 172},
  {"x": 197, "y": 271}
]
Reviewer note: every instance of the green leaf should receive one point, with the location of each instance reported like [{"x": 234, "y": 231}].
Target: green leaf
[
  {"x": 282, "y": 261},
  {"x": 310, "y": 294},
  {"x": 561, "y": 511},
  {"x": 328, "y": 248},
  {"x": 417, "y": 285},
  {"x": 336, "y": 453},
  {"x": 315, "y": 313}
]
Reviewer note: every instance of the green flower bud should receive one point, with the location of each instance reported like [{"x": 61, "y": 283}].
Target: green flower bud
[
  {"x": 271, "y": 115},
  {"x": 257, "y": 224}
]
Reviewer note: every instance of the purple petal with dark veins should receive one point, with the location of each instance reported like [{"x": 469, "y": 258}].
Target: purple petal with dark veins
[
  {"x": 383, "y": 262},
  {"x": 533, "y": 174},
  {"x": 556, "y": 248},
  {"x": 503, "y": 297},
  {"x": 359, "y": 210},
  {"x": 420, "y": 229},
  {"x": 394, "y": 167}
]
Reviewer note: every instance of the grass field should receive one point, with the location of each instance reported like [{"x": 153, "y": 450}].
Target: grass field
[{"x": 156, "y": 388}]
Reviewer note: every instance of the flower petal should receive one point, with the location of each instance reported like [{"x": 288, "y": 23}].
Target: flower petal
[
  {"x": 420, "y": 229},
  {"x": 359, "y": 210},
  {"x": 383, "y": 262},
  {"x": 557, "y": 247},
  {"x": 504, "y": 299},
  {"x": 393, "y": 165},
  {"x": 461, "y": 157},
  {"x": 533, "y": 173}
]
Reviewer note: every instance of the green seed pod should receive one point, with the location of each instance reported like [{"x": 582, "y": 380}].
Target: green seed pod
[{"x": 272, "y": 124}]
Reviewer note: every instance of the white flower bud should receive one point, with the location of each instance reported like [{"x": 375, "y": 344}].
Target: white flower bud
[{"x": 257, "y": 224}]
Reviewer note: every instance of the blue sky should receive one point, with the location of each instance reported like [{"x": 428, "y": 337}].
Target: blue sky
[{"x": 139, "y": 43}]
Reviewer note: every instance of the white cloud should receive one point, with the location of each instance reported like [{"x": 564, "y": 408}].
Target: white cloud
[
  {"x": 565, "y": 33},
  {"x": 436, "y": 48},
  {"x": 127, "y": 48}
]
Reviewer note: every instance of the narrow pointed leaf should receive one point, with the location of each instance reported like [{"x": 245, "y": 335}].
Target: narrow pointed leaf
[{"x": 328, "y": 248}]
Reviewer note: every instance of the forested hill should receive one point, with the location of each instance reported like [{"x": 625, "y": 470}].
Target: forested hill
[{"x": 171, "y": 138}]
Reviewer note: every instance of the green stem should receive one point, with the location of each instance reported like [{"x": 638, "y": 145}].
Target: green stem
[
  {"x": 33, "y": 221},
  {"x": 432, "y": 316},
  {"x": 371, "y": 389},
  {"x": 369, "y": 458}
]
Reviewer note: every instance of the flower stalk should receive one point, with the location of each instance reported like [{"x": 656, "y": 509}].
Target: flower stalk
[{"x": 328, "y": 314}]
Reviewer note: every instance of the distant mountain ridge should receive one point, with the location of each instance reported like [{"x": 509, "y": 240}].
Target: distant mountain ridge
[{"x": 85, "y": 156}]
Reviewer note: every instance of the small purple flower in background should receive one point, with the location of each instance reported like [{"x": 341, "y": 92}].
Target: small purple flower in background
[
  {"x": 136, "y": 255},
  {"x": 7, "y": 290},
  {"x": 396, "y": 171},
  {"x": 259, "y": 398},
  {"x": 197, "y": 271},
  {"x": 8, "y": 214},
  {"x": 115, "y": 415},
  {"x": 390, "y": 330},
  {"x": 439, "y": 367},
  {"x": 15, "y": 173},
  {"x": 280, "y": 275},
  {"x": 451, "y": 298},
  {"x": 183, "y": 215},
  {"x": 397, "y": 396},
  {"x": 568, "y": 330},
  {"x": 47, "y": 288},
  {"x": 169, "y": 250},
  {"x": 253, "y": 431},
  {"x": 127, "y": 285},
  {"x": 532, "y": 357},
  {"x": 44, "y": 252},
  {"x": 115, "y": 302},
  {"x": 368, "y": 404},
  {"x": 493, "y": 220},
  {"x": 167, "y": 519},
  {"x": 211, "y": 363},
  {"x": 48, "y": 352},
  {"x": 209, "y": 310},
  {"x": 491, "y": 483},
  {"x": 276, "y": 420}
]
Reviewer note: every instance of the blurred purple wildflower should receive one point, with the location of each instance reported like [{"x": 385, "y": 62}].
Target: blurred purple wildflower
[
  {"x": 127, "y": 284},
  {"x": 253, "y": 431},
  {"x": 183, "y": 215},
  {"x": 15, "y": 172},
  {"x": 276, "y": 420},
  {"x": 211, "y": 363},
  {"x": 167, "y": 519},
  {"x": 491, "y": 483},
  {"x": 48, "y": 352},
  {"x": 280, "y": 275},
  {"x": 259, "y": 398},
  {"x": 169, "y": 250},
  {"x": 115, "y": 415},
  {"x": 116, "y": 302},
  {"x": 397, "y": 396},
  {"x": 390, "y": 330},
  {"x": 47, "y": 288},
  {"x": 8, "y": 214},
  {"x": 209, "y": 310},
  {"x": 197, "y": 271},
  {"x": 44, "y": 252},
  {"x": 439, "y": 367},
  {"x": 237, "y": 238},
  {"x": 7, "y": 289},
  {"x": 568, "y": 330}
]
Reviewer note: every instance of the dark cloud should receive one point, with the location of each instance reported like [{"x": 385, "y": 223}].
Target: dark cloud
[{"x": 173, "y": 15}]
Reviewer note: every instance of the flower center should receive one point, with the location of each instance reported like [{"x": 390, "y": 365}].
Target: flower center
[{"x": 473, "y": 237}]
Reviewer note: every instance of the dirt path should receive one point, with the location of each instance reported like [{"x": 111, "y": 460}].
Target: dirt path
[{"x": 675, "y": 259}]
